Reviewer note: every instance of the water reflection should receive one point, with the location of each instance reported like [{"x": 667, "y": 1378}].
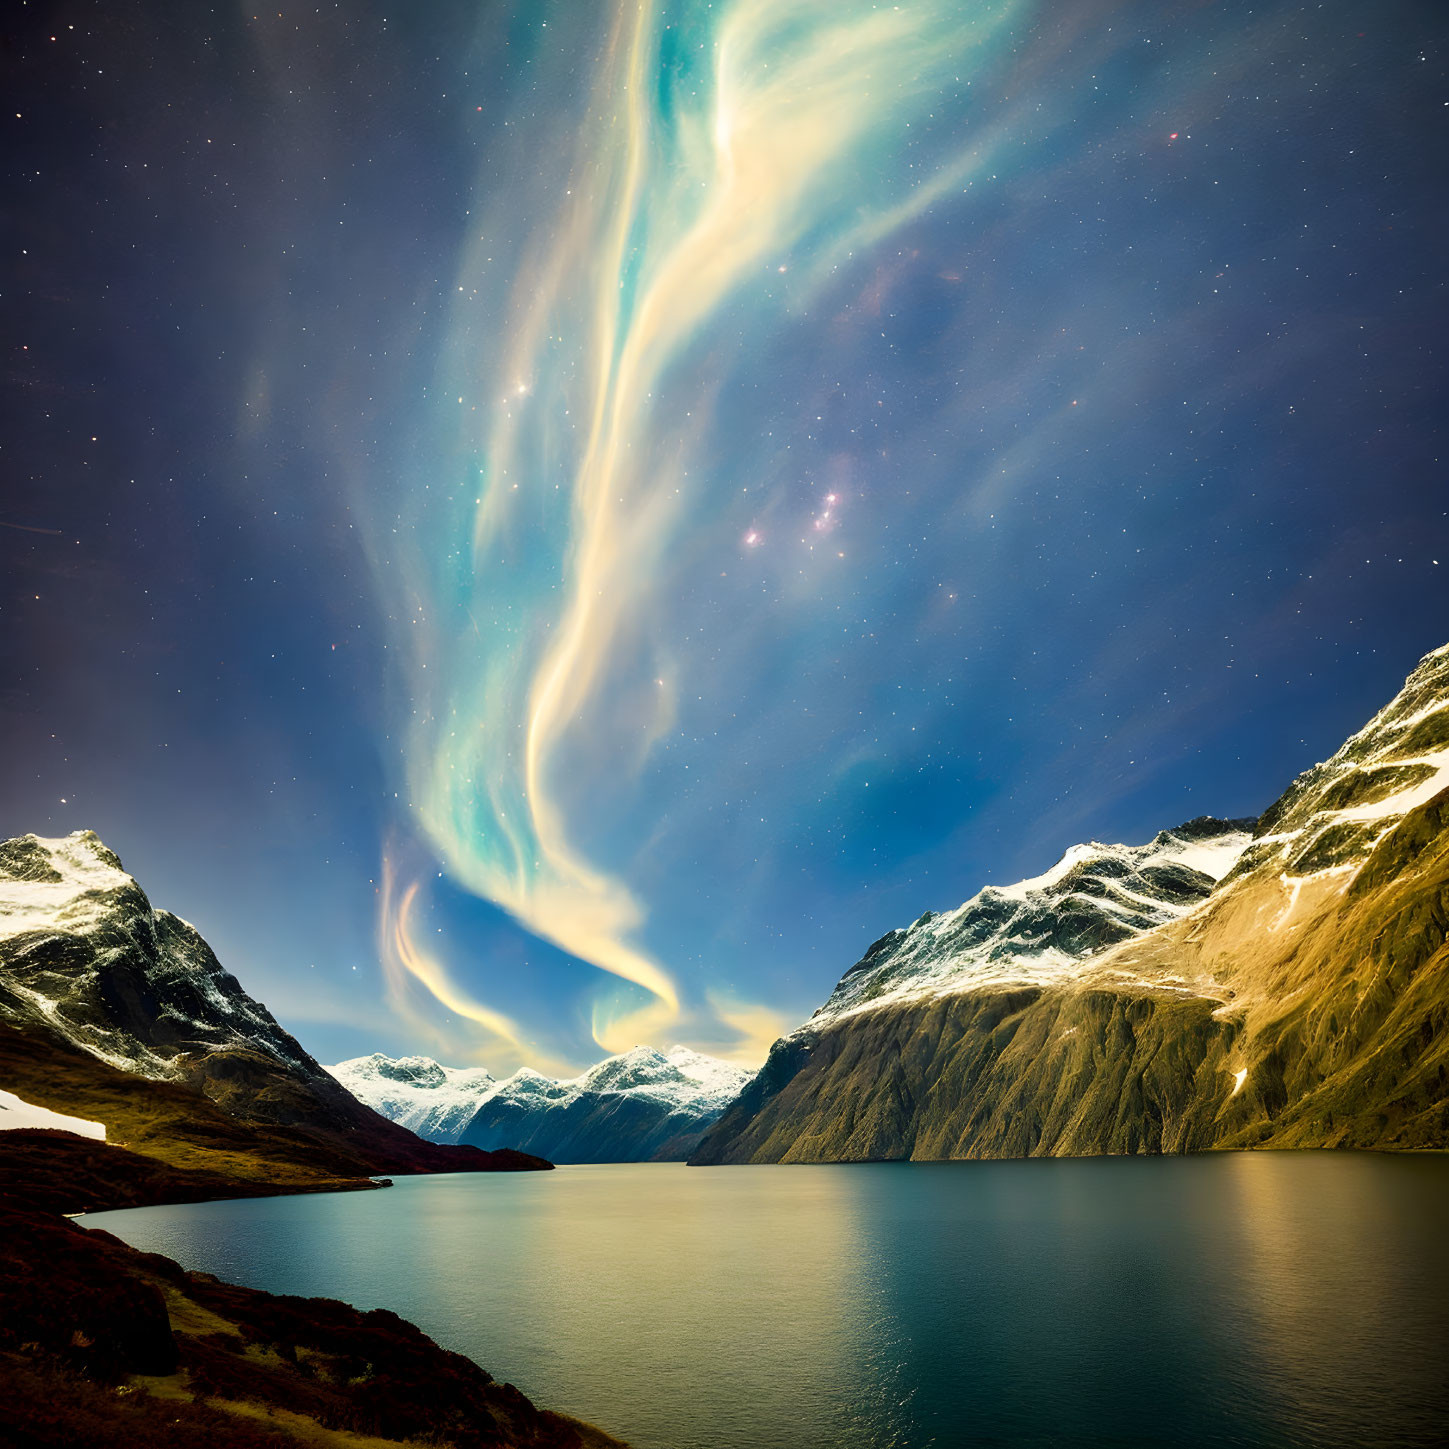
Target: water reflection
[
  {"x": 622, "y": 1286},
  {"x": 1240, "y": 1300},
  {"x": 1332, "y": 1265}
]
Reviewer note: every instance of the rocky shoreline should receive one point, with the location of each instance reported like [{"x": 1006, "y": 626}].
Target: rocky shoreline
[{"x": 103, "y": 1345}]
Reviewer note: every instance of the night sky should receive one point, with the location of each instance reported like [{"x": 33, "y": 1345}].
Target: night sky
[{"x": 545, "y": 526}]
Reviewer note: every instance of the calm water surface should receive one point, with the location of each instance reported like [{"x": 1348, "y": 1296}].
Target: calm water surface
[{"x": 1245, "y": 1299}]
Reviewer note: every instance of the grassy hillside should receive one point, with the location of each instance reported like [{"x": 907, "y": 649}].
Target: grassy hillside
[{"x": 174, "y": 1124}]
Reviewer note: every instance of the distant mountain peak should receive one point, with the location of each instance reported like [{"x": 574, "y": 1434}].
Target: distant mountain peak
[
  {"x": 638, "y": 1099},
  {"x": 422, "y": 1095}
]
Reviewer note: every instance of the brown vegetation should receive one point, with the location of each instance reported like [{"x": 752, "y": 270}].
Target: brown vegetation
[
  {"x": 62, "y": 1173},
  {"x": 101, "y": 1344}
]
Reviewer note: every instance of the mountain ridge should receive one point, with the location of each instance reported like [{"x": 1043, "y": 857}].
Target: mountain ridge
[
  {"x": 638, "y": 1105},
  {"x": 1302, "y": 1001},
  {"x": 1040, "y": 929}
]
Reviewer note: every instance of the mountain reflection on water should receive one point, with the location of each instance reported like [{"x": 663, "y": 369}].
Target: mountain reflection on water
[{"x": 1241, "y": 1299}]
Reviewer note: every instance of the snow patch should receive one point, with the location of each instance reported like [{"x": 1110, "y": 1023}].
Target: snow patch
[
  {"x": 16, "y": 1113},
  {"x": 1405, "y": 800},
  {"x": 78, "y": 901}
]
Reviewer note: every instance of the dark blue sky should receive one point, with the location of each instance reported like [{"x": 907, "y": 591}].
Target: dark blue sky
[{"x": 532, "y": 524}]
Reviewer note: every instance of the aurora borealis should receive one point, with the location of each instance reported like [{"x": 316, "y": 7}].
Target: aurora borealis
[
  {"x": 718, "y": 154},
  {"x": 558, "y": 525}
]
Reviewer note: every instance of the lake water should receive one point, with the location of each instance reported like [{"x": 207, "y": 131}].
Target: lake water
[{"x": 1235, "y": 1299}]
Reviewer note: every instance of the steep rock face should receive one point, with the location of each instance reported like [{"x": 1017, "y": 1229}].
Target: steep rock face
[
  {"x": 640, "y": 1105},
  {"x": 994, "y": 1073},
  {"x": 83, "y": 951},
  {"x": 120, "y": 1014},
  {"x": 1304, "y": 1002}
]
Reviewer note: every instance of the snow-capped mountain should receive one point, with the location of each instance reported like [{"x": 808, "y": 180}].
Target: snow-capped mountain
[
  {"x": 679, "y": 1076},
  {"x": 1334, "y": 814},
  {"x": 1209, "y": 989},
  {"x": 83, "y": 952},
  {"x": 434, "y": 1101},
  {"x": 1041, "y": 930},
  {"x": 626, "y": 1108},
  {"x": 110, "y": 1005}
]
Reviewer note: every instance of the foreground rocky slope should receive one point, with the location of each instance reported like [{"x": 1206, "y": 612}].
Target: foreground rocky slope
[
  {"x": 1302, "y": 1001},
  {"x": 104, "y": 1345},
  {"x": 639, "y": 1106},
  {"x": 120, "y": 1015}
]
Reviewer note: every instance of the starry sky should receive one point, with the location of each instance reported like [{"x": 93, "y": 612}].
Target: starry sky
[{"x": 545, "y": 526}]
